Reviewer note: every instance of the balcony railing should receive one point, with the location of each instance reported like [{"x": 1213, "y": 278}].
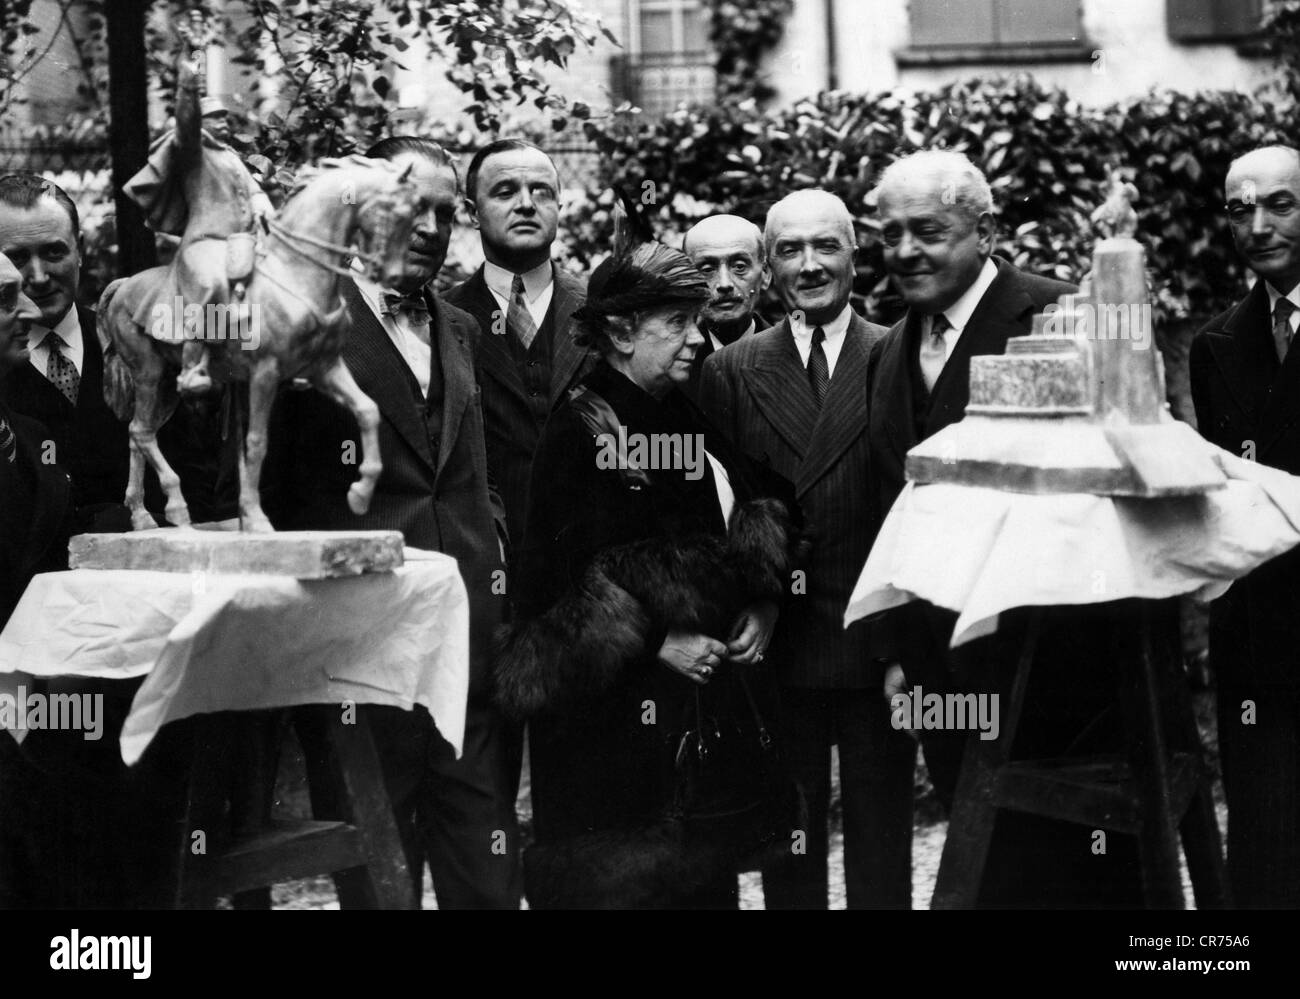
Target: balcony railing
[{"x": 659, "y": 83}]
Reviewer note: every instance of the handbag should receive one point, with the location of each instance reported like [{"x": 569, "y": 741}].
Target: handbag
[{"x": 733, "y": 806}]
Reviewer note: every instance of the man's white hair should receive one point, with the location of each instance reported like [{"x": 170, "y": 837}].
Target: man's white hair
[
  {"x": 961, "y": 179},
  {"x": 807, "y": 201}
]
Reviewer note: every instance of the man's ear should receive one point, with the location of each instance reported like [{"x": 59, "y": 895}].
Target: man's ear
[
  {"x": 986, "y": 230},
  {"x": 765, "y": 277},
  {"x": 473, "y": 211}
]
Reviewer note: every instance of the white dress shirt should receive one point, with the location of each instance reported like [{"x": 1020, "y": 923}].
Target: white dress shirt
[
  {"x": 834, "y": 332},
  {"x": 69, "y": 327},
  {"x": 416, "y": 350},
  {"x": 539, "y": 287},
  {"x": 958, "y": 314}
]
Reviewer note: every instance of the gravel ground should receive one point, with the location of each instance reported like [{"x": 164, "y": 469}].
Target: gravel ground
[{"x": 927, "y": 846}]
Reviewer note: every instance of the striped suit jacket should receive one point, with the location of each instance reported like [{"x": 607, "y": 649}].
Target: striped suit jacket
[{"x": 756, "y": 391}]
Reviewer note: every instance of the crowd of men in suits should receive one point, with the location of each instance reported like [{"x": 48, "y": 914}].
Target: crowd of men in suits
[{"x": 822, "y": 397}]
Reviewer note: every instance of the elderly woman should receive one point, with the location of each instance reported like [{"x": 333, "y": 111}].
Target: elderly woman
[{"x": 648, "y": 582}]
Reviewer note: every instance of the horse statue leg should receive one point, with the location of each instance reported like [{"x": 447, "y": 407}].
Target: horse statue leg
[
  {"x": 337, "y": 382},
  {"x": 262, "y": 383},
  {"x": 136, "y": 390}
]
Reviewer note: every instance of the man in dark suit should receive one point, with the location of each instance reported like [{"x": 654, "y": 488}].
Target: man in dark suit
[
  {"x": 522, "y": 302},
  {"x": 34, "y": 494},
  {"x": 793, "y": 397},
  {"x": 938, "y": 230},
  {"x": 1246, "y": 389},
  {"x": 62, "y": 386},
  {"x": 414, "y": 355},
  {"x": 728, "y": 250}
]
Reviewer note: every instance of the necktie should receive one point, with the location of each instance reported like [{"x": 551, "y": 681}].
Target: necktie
[
  {"x": 8, "y": 442},
  {"x": 412, "y": 307},
  {"x": 819, "y": 376},
  {"x": 519, "y": 318},
  {"x": 61, "y": 372},
  {"x": 934, "y": 352},
  {"x": 1282, "y": 326}
]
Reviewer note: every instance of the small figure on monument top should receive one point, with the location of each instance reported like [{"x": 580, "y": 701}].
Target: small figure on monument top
[
  {"x": 1115, "y": 217},
  {"x": 197, "y": 187}
]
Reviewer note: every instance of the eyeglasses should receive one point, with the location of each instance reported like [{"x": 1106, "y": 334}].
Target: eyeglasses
[{"x": 1278, "y": 205}]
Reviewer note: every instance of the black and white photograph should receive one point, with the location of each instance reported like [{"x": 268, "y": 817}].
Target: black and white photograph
[{"x": 655, "y": 456}]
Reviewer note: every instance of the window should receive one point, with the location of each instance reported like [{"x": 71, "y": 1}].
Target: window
[
  {"x": 1213, "y": 20},
  {"x": 662, "y": 28},
  {"x": 669, "y": 59},
  {"x": 995, "y": 30}
]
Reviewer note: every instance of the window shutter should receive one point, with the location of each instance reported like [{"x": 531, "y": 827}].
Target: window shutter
[
  {"x": 939, "y": 22},
  {"x": 1210, "y": 20}
]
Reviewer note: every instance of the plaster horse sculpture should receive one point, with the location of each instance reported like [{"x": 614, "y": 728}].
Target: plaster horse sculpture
[{"x": 348, "y": 208}]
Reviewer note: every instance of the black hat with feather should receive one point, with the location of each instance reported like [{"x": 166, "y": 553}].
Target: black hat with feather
[{"x": 641, "y": 273}]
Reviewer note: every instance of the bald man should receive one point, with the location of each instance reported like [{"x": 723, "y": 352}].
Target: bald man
[
  {"x": 793, "y": 397},
  {"x": 1245, "y": 375},
  {"x": 728, "y": 250}
]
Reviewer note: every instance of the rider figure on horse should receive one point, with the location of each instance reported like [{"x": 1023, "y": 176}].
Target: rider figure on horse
[{"x": 196, "y": 187}]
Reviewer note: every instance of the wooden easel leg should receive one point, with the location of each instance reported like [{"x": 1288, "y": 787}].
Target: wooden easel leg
[
  {"x": 350, "y": 781},
  {"x": 970, "y": 825},
  {"x": 1145, "y": 741}
]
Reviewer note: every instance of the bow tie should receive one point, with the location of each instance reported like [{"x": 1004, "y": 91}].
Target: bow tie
[{"x": 393, "y": 304}]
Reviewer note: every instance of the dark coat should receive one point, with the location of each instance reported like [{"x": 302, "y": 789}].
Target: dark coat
[
  {"x": 605, "y": 571},
  {"x": 89, "y": 441},
  {"x": 35, "y": 512},
  {"x": 1249, "y": 404},
  {"x": 511, "y": 430},
  {"x": 1005, "y": 311},
  {"x": 756, "y": 391},
  {"x": 435, "y": 492}
]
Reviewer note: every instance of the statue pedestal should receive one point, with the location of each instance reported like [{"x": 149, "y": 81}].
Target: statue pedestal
[{"x": 297, "y": 554}]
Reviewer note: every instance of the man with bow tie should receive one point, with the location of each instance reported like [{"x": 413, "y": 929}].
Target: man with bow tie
[
  {"x": 1245, "y": 375},
  {"x": 413, "y": 354},
  {"x": 794, "y": 398}
]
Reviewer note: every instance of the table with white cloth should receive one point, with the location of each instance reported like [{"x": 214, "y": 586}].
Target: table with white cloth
[
  {"x": 983, "y": 552},
  {"x": 211, "y": 644}
]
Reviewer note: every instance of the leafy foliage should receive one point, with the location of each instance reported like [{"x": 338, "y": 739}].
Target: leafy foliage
[
  {"x": 1045, "y": 156},
  {"x": 741, "y": 34}
]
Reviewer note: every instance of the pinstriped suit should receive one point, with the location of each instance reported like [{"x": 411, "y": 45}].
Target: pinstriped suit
[
  {"x": 434, "y": 488},
  {"x": 756, "y": 391}
]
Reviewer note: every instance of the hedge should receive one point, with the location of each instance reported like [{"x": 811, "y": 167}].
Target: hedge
[{"x": 1045, "y": 155}]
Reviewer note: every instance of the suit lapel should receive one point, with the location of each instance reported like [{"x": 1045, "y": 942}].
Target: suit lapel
[
  {"x": 844, "y": 412},
  {"x": 457, "y": 359},
  {"x": 893, "y": 386},
  {"x": 1244, "y": 353},
  {"x": 566, "y": 356},
  {"x": 999, "y": 315},
  {"x": 374, "y": 364},
  {"x": 779, "y": 383}
]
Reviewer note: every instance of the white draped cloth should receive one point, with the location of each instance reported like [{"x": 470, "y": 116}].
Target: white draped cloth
[
  {"x": 980, "y": 551},
  {"x": 212, "y": 642}
]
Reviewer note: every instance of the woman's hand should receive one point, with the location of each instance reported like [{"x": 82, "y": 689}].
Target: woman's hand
[
  {"x": 693, "y": 656},
  {"x": 752, "y": 632}
]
